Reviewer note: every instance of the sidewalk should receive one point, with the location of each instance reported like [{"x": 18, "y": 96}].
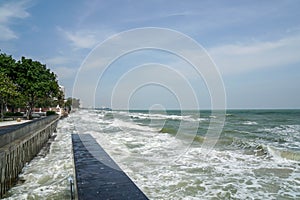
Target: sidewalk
[{"x": 14, "y": 122}]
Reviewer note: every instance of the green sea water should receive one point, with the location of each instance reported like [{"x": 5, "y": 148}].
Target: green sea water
[{"x": 243, "y": 129}]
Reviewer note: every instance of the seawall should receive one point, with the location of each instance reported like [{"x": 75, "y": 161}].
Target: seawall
[{"x": 19, "y": 144}]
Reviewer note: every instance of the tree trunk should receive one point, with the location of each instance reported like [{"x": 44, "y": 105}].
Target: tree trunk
[
  {"x": 28, "y": 113},
  {"x": 3, "y": 103},
  {"x": 2, "y": 110},
  {"x": 29, "y": 110}
]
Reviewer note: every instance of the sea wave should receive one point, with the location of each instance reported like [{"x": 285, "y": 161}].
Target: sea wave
[
  {"x": 250, "y": 123},
  {"x": 284, "y": 130},
  {"x": 163, "y": 116},
  {"x": 284, "y": 153},
  {"x": 130, "y": 125}
]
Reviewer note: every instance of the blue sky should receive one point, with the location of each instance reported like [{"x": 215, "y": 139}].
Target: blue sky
[{"x": 254, "y": 44}]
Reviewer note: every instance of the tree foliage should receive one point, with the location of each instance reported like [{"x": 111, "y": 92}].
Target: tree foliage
[
  {"x": 7, "y": 90},
  {"x": 33, "y": 80},
  {"x": 36, "y": 82}
]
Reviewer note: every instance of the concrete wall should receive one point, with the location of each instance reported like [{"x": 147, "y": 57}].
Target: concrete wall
[{"x": 19, "y": 144}]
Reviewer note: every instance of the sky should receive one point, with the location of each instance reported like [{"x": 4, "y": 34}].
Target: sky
[{"x": 254, "y": 47}]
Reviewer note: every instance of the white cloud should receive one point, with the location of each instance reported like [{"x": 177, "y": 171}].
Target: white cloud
[
  {"x": 59, "y": 60},
  {"x": 61, "y": 65},
  {"x": 8, "y": 12},
  {"x": 85, "y": 39},
  {"x": 82, "y": 39},
  {"x": 6, "y": 33},
  {"x": 64, "y": 73},
  {"x": 240, "y": 58}
]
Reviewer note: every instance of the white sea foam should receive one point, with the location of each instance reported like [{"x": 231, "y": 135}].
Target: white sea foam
[
  {"x": 284, "y": 130},
  {"x": 289, "y": 133},
  {"x": 249, "y": 123},
  {"x": 164, "y": 116},
  {"x": 129, "y": 125}
]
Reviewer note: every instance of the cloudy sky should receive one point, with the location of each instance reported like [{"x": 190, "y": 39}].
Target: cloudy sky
[{"x": 255, "y": 45}]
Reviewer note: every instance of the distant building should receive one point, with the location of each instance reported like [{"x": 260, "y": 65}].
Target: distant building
[{"x": 62, "y": 88}]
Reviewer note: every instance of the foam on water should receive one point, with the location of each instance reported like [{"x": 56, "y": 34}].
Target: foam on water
[
  {"x": 288, "y": 133},
  {"x": 249, "y": 123},
  {"x": 128, "y": 125},
  {"x": 163, "y": 116}
]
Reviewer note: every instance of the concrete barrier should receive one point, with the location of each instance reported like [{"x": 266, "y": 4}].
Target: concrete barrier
[{"x": 19, "y": 144}]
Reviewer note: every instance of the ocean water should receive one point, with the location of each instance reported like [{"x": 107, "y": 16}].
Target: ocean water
[{"x": 257, "y": 155}]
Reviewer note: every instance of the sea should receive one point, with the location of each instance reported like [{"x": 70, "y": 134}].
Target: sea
[{"x": 255, "y": 155}]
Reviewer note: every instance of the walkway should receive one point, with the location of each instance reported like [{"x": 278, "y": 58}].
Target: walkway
[{"x": 14, "y": 122}]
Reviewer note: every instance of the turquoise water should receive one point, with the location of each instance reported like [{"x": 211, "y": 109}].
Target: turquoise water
[{"x": 257, "y": 155}]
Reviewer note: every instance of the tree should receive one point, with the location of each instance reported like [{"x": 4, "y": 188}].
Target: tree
[
  {"x": 36, "y": 83},
  {"x": 7, "y": 90},
  {"x": 8, "y": 66},
  {"x": 7, "y": 86}
]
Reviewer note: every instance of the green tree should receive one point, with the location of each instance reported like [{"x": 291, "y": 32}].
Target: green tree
[
  {"x": 8, "y": 86},
  {"x": 7, "y": 90},
  {"x": 36, "y": 83},
  {"x": 8, "y": 66}
]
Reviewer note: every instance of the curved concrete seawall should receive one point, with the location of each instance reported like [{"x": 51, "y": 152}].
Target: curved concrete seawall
[{"x": 19, "y": 144}]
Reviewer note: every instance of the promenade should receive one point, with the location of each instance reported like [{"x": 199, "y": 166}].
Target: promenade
[{"x": 14, "y": 122}]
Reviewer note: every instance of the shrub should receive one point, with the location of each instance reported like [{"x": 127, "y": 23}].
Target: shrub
[
  {"x": 10, "y": 114},
  {"x": 50, "y": 112}
]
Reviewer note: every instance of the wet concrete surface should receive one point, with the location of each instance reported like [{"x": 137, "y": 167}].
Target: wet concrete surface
[{"x": 97, "y": 175}]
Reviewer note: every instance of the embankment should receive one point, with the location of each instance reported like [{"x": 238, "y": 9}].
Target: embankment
[{"x": 19, "y": 144}]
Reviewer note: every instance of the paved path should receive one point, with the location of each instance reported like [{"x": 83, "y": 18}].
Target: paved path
[
  {"x": 97, "y": 175},
  {"x": 14, "y": 122}
]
